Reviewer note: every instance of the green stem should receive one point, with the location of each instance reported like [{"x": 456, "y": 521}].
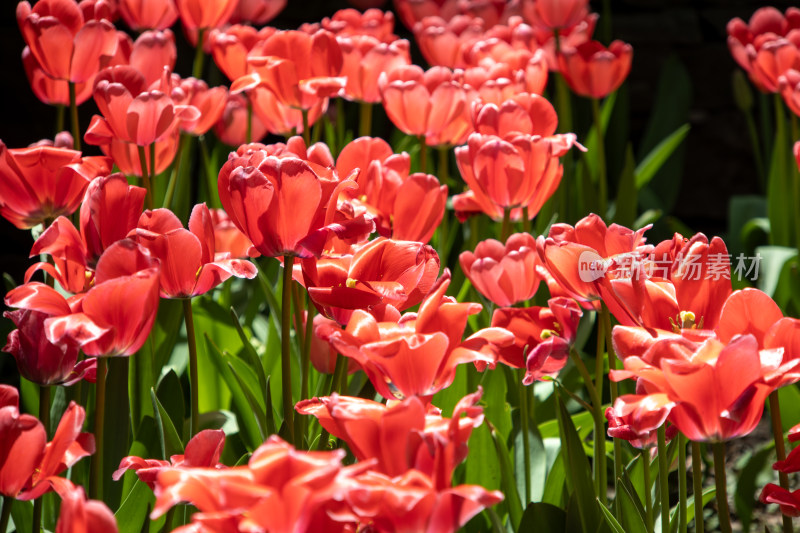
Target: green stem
[
  {"x": 526, "y": 445},
  {"x": 339, "y": 126},
  {"x": 505, "y": 229},
  {"x": 423, "y": 154},
  {"x": 754, "y": 139},
  {"x": 249, "y": 135},
  {"x": 682, "y": 490},
  {"x": 73, "y": 110},
  {"x": 663, "y": 477},
  {"x": 721, "y": 481},
  {"x": 600, "y": 474},
  {"x": 152, "y": 161},
  {"x": 600, "y": 156},
  {"x": 44, "y": 408},
  {"x": 199, "y": 56},
  {"x": 780, "y": 448},
  {"x": 306, "y": 131},
  {"x": 59, "y": 122},
  {"x": 614, "y": 387},
  {"x": 146, "y": 177},
  {"x": 36, "y": 521},
  {"x": 168, "y": 520},
  {"x": 286, "y": 347},
  {"x": 299, "y": 421},
  {"x": 526, "y": 222},
  {"x": 194, "y": 381},
  {"x": 176, "y": 170},
  {"x": 784, "y": 233},
  {"x": 648, "y": 494},
  {"x": 5, "y": 514},
  {"x": 443, "y": 179},
  {"x": 96, "y": 485},
  {"x": 697, "y": 487},
  {"x": 364, "y": 119}
]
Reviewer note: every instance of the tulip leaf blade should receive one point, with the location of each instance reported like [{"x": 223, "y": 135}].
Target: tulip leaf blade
[
  {"x": 22, "y": 515},
  {"x": 543, "y": 518},
  {"x": 170, "y": 441},
  {"x": 170, "y": 394},
  {"x": 631, "y": 511},
  {"x": 248, "y": 425},
  {"x": 250, "y": 354},
  {"x": 132, "y": 515},
  {"x": 653, "y": 161},
  {"x": 507, "y": 479},
  {"x": 610, "y": 520},
  {"x": 554, "y": 484},
  {"x": 578, "y": 478},
  {"x": 625, "y": 212},
  {"x": 258, "y": 410}
]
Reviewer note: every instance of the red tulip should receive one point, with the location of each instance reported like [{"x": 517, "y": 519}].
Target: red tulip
[
  {"x": 148, "y": 14},
  {"x": 40, "y": 183},
  {"x": 384, "y": 271},
  {"x": 636, "y": 419},
  {"x": 65, "y": 44},
  {"x": 232, "y": 47},
  {"x": 432, "y": 104},
  {"x": 577, "y": 257},
  {"x": 505, "y": 274},
  {"x": 491, "y": 11},
  {"x": 745, "y": 40},
  {"x": 507, "y": 71},
  {"x": 126, "y": 155},
  {"x": 49, "y": 90},
  {"x": 28, "y": 461},
  {"x": 365, "y": 58},
  {"x": 789, "y": 502},
  {"x": 189, "y": 264},
  {"x": 110, "y": 209},
  {"x": 209, "y": 101},
  {"x": 202, "y": 451},
  {"x": 556, "y": 14},
  {"x": 301, "y": 70},
  {"x": 115, "y": 316},
  {"x": 590, "y": 69},
  {"x": 205, "y": 14},
  {"x": 526, "y": 114},
  {"x": 444, "y": 43},
  {"x": 79, "y": 515},
  {"x": 227, "y": 237},
  {"x": 151, "y": 52},
  {"x": 373, "y": 22},
  {"x": 774, "y": 59},
  {"x": 257, "y": 12},
  {"x": 419, "y": 354},
  {"x": 412, "y": 504},
  {"x": 543, "y": 337},
  {"x": 131, "y": 113},
  {"x": 231, "y": 128}
]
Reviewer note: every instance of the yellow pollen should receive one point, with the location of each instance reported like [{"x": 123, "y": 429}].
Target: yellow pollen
[
  {"x": 351, "y": 283},
  {"x": 687, "y": 319},
  {"x": 547, "y": 333}
]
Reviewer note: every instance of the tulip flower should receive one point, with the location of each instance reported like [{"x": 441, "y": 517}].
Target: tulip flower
[
  {"x": 148, "y": 14},
  {"x": 232, "y": 47},
  {"x": 231, "y": 128},
  {"x": 29, "y": 461},
  {"x": 280, "y": 489},
  {"x": 411, "y": 503},
  {"x": 444, "y": 43},
  {"x": 384, "y": 271},
  {"x": 789, "y": 502},
  {"x": 210, "y": 102},
  {"x": 79, "y": 515},
  {"x": 48, "y": 90},
  {"x": 543, "y": 337},
  {"x": 414, "y": 11},
  {"x": 577, "y": 256},
  {"x": 430, "y": 443},
  {"x": 430, "y": 104},
  {"x": 202, "y": 451},
  {"x": 150, "y": 53},
  {"x": 505, "y": 274},
  {"x": 301, "y": 70},
  {"x": 67, "y": 46},
  {"x": 419, "y": 354},
  {"x": 766, "y": 26},
  {"x": 636, "y": 419},
  {"x": 227, "y": 237},
  {"x": 39, "y": 360},
  {"x": 372, "y": 22},
  {"x": 505, "y": 68},
  {"x": 202, "y": 15},
  {"x": 39, "y": 183},
  {"x": 189, "y": 264},
  {"x": 365, "y": 58},
  {"x": 719, "y": 389},
  {"x": 556, "y": 14},
  {"x": 256, "y": 12},
  {"x": 590, "y": 69}
]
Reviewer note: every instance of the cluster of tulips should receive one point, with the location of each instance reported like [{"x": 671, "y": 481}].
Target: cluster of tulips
[{"x": 365, "y": 398}]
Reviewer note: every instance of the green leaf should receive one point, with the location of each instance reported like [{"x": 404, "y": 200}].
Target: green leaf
[
  {"x": 538, "y": 463},
  {"x": 789, "y": 398},
  {"x": 543, "y": 518},
  {"x": 170, "y": 441},
  {"x": 591, "y": 139},
  {"x": 626, "y": 205},
  {"x": 555, "y": 484},
  {"x": 578, "y": 471},
  {"x": 508, "y": 483},
  {"x": 248, "y": 425},
  {"x": 756, "y": 472},
  {"x": 22, "y": 515},
  {"x": 631, "y": 511},
  {"x": 211, "y": 319},
  {"x": 610, "y": 520},
  {"x": 249, "y": 352},
  {"x": 652, "y": 162},
  {"x": 134, "y": 511},
  {"x": 741, "y": 210},
  {"x": 258, "y": 410},
  {"x": 769, "y": 266},
  {"x": 170, "y": 394}
]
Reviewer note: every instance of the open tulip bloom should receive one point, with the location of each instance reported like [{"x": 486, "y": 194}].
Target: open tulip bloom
[{"x": 319, "y": 286}]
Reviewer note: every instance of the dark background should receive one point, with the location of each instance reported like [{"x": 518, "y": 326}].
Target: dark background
[{"x": 718, "y": 159}]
